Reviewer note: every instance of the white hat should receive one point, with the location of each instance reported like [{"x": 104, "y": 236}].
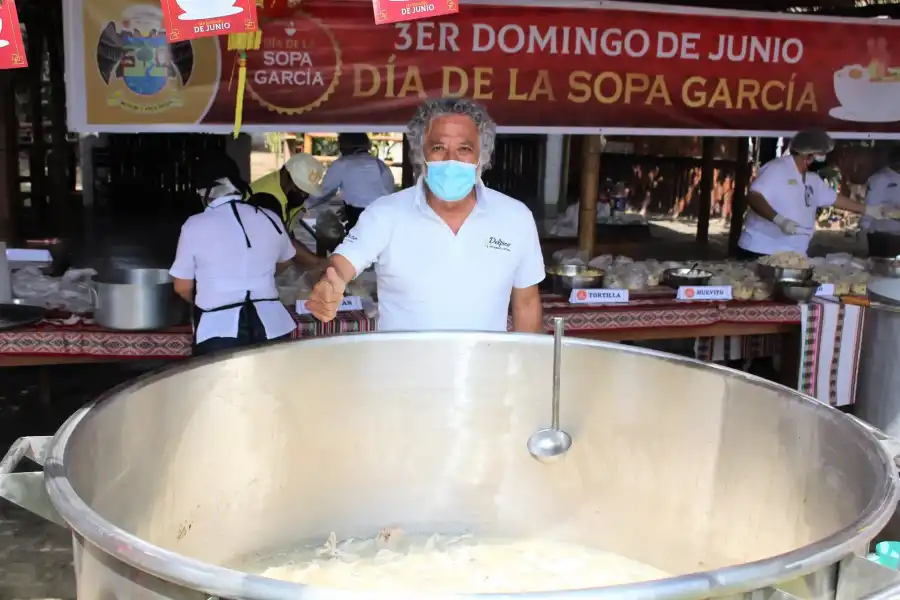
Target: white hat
[{"x": 306, "y": 173}]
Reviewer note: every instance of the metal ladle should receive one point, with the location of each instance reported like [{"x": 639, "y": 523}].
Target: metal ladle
[{"x": 547, "y": 445}]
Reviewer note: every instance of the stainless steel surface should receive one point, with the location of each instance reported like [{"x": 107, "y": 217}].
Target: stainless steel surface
[
  {"x": 549, "y": 445},
  {"x": 740, "y": 484},
  {"x": 772, "y": 274},
  {"x": 565, "y": 278},
  {"x": 19, "y": 315},
  {"x": 885, "y": 267},
  {"x": 793, "y": 290},
  {"x": 27, "y": 489},
  {"x": 878, "y": 387},
  {"x": 134, "y": 299},
  {"x": 678, "y": 277}
]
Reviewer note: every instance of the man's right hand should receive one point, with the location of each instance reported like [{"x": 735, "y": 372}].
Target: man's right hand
[
  {"x": 326, "y": 296},
  {"x": 786, "y": 225}
]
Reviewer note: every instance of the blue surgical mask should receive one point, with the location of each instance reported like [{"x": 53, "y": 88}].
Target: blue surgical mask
[{"x": 450, "y": 180}]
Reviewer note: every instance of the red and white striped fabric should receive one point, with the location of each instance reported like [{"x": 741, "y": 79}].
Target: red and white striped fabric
[{"x": 829, "y": 353}]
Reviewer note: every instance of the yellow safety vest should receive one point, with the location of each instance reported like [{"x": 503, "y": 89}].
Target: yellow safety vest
[{"x": 271, "y": 184}]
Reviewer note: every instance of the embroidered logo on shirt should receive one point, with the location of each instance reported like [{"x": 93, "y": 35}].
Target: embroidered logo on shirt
[
  {"x": 495, "y": 243},
  {"x": 792, "y": 182}
]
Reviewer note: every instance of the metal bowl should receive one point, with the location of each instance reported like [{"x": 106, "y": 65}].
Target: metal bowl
[
  {"x": 885, "y": 267},
  {"x": 796, "y": 290},
  {"x": 675, "y": 278},
  {"x": 773, "y": 274},
  {"x": 565, "y": 278}
]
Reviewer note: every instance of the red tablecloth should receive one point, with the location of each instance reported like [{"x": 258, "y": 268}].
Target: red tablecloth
[
  {"x": 80, "y": 337},
  {"x": 659, "y": 309}
]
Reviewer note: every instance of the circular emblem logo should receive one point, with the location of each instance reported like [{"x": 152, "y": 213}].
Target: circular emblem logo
[
  {"x": 297, "y": 67},
  {"x": 689, "y": 293},
  {"x": 581, "y": 295}
]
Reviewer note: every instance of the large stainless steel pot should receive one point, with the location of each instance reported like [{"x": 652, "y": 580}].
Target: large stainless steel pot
[
  {"x": 727, "y": 481},
  {"x": 134, "y": 299}
]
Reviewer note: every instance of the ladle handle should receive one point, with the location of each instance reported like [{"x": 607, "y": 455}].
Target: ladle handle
[{"x": 559, "y": 325}]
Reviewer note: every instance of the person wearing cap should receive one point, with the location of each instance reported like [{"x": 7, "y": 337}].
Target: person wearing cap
[
  {"x": 226, "y": 262},
  {"x": 360, "y": 177},
  {"x": 292, "y": 185},
  {"x": 883, "y": 193},
  {"x": 785, "y": 196},
  {"x": 449, "y": 252}
]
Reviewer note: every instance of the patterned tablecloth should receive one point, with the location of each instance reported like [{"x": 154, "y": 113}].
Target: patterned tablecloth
[
  {"x": 80, "y": 337},
  {"x": 77, "y": 336},
  {"x": 661, "y": 310}
]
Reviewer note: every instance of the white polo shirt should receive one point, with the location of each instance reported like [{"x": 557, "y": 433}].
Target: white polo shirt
[
  {"x": 430, "y": 279},
  {"x": 213, "y": 252},
  {"x": 883, "y": 190},
  {"x": 791, "y": 196}
]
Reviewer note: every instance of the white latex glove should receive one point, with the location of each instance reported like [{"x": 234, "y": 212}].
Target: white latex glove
[
  {"x": 786, "y": 225},
  {"x": 876, "y": 212}
]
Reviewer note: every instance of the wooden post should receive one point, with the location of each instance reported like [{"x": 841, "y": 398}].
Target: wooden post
[
  {"x": 307, "y": 143},
  {"x": 739, "y": 196},
  {"x": 590, "y": 182},
  {"x": 704, "y": 206}
]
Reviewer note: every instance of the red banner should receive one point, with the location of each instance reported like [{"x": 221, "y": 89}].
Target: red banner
[
  {"x": 539, "y": 67},
  {"x": 12, "y": 50},
  {"x": 395, "y": 11},
  {"x": 191, "y": 19}
]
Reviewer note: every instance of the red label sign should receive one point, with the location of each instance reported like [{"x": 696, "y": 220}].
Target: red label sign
[
  {"x": 190, "y": 19},
  {"x": 12, "y": 50},
  {"x": 395, "y": 11}
]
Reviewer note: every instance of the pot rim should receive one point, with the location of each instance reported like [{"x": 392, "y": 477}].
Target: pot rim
[{"x": 230, "y": 583}]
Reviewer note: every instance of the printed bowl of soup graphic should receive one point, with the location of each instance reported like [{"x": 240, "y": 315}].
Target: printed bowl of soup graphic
[{"x": 863, "y": 94}]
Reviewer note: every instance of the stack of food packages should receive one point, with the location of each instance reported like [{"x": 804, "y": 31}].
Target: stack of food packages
[
  {"x": 625, "y": 273},
  {"x": 846, "y": 273}
]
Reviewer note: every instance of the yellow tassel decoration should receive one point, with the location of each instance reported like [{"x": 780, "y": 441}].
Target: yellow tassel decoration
[
  {"x": 241, "y": 42},
  {"x": 239, "y": 101}
]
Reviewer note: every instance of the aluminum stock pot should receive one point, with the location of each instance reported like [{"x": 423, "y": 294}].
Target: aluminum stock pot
[{"x": 738, "y": 487}]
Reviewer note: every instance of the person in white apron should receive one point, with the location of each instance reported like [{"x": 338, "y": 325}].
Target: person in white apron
[
  {"x": 883, "y": 194},
  {"x": 785, "y": 197},
  {"x": 226, "y": 262}
]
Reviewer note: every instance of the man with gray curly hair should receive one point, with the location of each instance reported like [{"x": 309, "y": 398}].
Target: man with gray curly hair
[{"x": 449, "y": 253}]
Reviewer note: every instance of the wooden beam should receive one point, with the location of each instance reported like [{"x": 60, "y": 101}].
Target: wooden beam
[
  {"x": 704, "y": 206},
  {"x": 739, "y": 196},
  {"x": 590, "y": 183}
]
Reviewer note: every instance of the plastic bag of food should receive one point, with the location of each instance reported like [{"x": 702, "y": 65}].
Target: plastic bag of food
[
  {"x": 762, "y": 290},
  {"x": 634, "y": 277},
  {"x": 71, "y": 292},
  {"x": 601, "y": 262},
  {"x": 570, "y": 256},
  {"x": 30, "y": 283},
  {"x": 74, "y": 293},
  {"x": 613, "y": 281},
  {"x": 742, "y": 289}
]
